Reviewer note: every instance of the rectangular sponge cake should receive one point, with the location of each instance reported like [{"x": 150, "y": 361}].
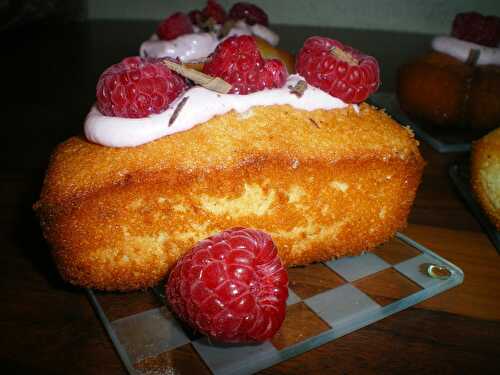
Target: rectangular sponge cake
[{"x": 323, "y": 184}]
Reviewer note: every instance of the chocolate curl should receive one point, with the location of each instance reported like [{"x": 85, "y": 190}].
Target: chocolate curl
[
  {"x": 473, "y": 57},
  {"x": 212, "y": 83},
  {"x": 226, "y": 28},
  {"x": 343, "y": 56},
  {"x": 299, "y": 88},
  {"x": 177, "y": 110}
]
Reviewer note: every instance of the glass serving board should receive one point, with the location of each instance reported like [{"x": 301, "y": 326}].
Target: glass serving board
[
  {"x": 442, "y": 140},
  {"x": 326, "y": 301},
  {"x": 460, "y": 176}
]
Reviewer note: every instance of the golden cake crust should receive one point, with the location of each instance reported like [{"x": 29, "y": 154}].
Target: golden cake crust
[
  {"x": 485, "y": 174},
  {"x": 322, "y": 183}
]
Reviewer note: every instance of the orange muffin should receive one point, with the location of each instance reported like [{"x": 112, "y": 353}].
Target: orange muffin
[
  {"x": 458, "y": 83},
  {"x": 443, "y": 91}
]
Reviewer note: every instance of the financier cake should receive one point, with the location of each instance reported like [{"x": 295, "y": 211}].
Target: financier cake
[
  {"x": 192, "y": 37},
  {"x": 299, "y": 157},
  {"x": 457, "y": 85},
  {"x": 485, "y": 174}
]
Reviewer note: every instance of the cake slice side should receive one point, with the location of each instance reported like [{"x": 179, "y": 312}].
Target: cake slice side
[{"x": 323, "y": 184}]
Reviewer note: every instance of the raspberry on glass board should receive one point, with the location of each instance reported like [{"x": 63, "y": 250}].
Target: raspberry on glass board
[
  {"x": 137, "y": 87},
  {"x": 476, "y": 28},
  {"x": 231, "y": 287},
  {"x": 250, "y": 13},
  {"x": 338, "y": 69},
  {"x": 237, "y": 61},
  {"x": 175, "y": 25}
]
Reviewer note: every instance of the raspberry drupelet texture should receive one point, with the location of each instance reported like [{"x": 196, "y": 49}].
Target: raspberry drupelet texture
[
  {"x": 137, "y": 87},
  {"x": 231, "y": 287},
  {"x": 337, "y": 69},
  {"x": 251, "y": 13},
  {"x": 476, "y": 28},
  {"x": 238, "y": 61},
  {"x": 175, "y": 25}
]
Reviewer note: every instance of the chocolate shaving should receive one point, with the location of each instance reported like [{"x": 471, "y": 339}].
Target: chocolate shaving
[
  {"x": 177, "y": 110},
  {"x": 212, "y": 83},
  {"x": 343, "y": 55},
  {"x": 209, "y": 24},
  {"x": 473, "y": 57},
  {"x": 314, "y": 122},
  {"x": 198, "y": 19},
  {"x": 226, "y": 28},
  {"x": 298, "y": 89}
]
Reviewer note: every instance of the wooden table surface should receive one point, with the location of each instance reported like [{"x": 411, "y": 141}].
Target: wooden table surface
[{"x": 47, "y": 326}]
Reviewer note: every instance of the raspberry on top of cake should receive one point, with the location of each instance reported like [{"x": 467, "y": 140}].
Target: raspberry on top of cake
[{"x": 140, "y": 100}]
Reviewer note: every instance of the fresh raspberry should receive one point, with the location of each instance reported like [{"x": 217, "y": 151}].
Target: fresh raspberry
[
  {"x": 176, "y": 25},
  {"x": 340, "y": 70},
  {"x": 251, "y": 13},
  {"x": 231, "y": 287},
  {"x": 238, "y": 61},
  {"x": 476, "y": 28},
  {"x": 214, "y": 10},
  {"x": 137, "y": 87}
]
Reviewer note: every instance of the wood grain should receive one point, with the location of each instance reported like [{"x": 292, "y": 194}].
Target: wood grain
[{"x": 479, "y": 295}]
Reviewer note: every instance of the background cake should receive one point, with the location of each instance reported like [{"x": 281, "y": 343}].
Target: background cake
[
  {"x": 192, "y": 37},
  {"x": 458, "y": 83},
  {"x": 485, "y": 174}
]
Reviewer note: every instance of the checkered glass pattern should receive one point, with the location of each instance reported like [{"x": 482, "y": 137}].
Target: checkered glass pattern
[{"x": 326, "y": 301}]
